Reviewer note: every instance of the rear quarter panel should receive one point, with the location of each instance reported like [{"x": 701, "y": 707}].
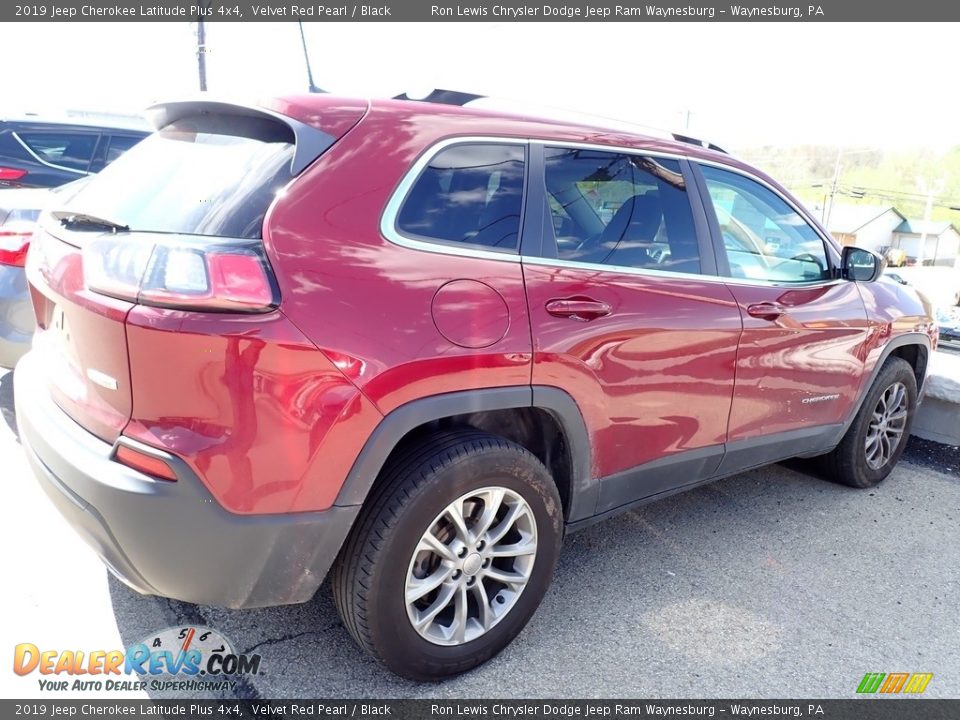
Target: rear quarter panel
[
  {"x": 265, "y": 420},
  {"x": 365, "y": 301}
]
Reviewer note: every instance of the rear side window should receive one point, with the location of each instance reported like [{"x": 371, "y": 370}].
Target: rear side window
[
  {"x": 21, "y": 215},
  {"x": 119, "y": 144},
  {"x": 763, "y": 237},
  {"x": 204, "y": 175},
  {"x": 67, "y": 150},
  {"x": 470, "y": 194},
  {"x": 621, "y": 209}
]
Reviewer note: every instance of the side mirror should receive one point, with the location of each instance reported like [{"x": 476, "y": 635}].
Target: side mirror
[{"x": 861, "y": 265}]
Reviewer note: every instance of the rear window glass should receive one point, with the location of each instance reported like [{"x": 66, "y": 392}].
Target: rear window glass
[
  {"x": 205, "y": 175},
  {"x": 471, "y": 194},
  {"x": 69, "y": 150}
]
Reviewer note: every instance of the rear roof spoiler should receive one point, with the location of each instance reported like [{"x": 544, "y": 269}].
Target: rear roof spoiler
[{"x": 310, "y": 142}]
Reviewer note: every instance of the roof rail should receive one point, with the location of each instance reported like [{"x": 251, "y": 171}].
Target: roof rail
[
  {"x": 462, "y": 99},
  {"x": 443, "y": 97},
  {"x": 697, "y": 141}
]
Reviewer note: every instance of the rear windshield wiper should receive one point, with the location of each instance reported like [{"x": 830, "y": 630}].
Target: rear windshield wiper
[{"x": 82, "y": 221}]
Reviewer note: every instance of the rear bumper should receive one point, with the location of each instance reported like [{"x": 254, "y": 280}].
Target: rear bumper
[{"x": 171, "y": 538}]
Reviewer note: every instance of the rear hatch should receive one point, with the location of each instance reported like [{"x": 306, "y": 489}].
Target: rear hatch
[{"x": 175, "y": 222}]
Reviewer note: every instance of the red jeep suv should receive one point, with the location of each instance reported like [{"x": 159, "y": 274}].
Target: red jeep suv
[{"x": 412, "y": 345}]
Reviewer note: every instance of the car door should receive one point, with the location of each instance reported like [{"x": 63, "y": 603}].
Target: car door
[
  {"x": 628, "y": 315},
  {"x": 800, "y": 362}
]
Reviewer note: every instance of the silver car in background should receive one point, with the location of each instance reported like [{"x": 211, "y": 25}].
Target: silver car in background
[{"x": 19, "y": 210}]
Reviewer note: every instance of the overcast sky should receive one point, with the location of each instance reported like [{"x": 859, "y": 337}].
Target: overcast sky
[{"x": 884, "y": 85}]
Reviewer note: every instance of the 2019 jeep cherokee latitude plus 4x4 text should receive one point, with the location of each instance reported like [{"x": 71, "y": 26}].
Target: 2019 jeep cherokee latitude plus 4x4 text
[{"x": 416, "y": 343}]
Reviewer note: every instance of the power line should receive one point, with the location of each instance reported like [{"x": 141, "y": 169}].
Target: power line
[{"x": 859, "y": 191}]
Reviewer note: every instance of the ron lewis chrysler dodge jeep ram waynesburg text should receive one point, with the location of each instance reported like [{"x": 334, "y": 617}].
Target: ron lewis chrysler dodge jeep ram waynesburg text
[{"x": 412, "y": 344}]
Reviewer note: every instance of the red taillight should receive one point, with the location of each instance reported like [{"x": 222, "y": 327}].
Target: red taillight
[
  {"x": 181, "y": 275},
  {"x": 14, "y": 243},
  {"x": 11, "y": 174},
  {"x": 145, "y": 463},
  {"x": 239, "y": 279}
]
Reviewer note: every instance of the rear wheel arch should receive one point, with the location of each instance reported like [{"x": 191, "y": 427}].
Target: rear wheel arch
[
  {"x": 916, "y": 354},
  {"x": 544, "y": 420}
]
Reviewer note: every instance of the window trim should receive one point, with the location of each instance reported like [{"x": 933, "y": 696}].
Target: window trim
[
  {"x": 35, "y": 156},
  {"x": 831, "y": 253},
  {"x": 389, "y": 217},
  {"x": 391, "y": 213}
]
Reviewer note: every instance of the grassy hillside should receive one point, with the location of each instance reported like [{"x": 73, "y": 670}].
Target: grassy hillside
[{"x": 880, "y": 177}]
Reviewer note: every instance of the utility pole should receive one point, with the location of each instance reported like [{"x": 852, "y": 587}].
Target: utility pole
[
  {"x": 833, "y": 189},
  {"x": 202, "y": 55},
  {"x": 930, "y": 190},
  {"x": 836, "y": 180}
]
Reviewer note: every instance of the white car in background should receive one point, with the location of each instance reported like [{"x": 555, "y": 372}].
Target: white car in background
[{"x": 940, "y": 284}]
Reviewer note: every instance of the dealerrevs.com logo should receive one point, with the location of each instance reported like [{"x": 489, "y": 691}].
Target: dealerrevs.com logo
[{"x": 192, "y": 658}]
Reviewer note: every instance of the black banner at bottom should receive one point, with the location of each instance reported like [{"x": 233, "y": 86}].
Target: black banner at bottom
[{"x": 855, "y": 709}]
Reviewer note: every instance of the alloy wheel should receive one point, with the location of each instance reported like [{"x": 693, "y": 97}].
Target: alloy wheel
[
  {"x": 470, "y": 566},
  {"x": 886, "y": 426}
]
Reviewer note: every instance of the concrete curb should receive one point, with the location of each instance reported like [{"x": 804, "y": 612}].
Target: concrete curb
[{"x": 938, "y": 417}]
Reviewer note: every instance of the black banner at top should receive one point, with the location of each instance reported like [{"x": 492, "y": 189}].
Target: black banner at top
[
  {"x": 485, "y": 11},
  {"x": 490, "y": 709}
]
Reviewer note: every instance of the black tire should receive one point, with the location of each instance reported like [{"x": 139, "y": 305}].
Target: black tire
[
  {"x": 369, "y": 580},
  {"x": 847, "y": 463}
]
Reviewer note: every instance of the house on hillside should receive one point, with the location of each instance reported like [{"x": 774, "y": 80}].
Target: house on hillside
[
  {"x": 866, "y": 226},
  {"x": 942, "y": 243},
  {"x": 883, "y": 227}
]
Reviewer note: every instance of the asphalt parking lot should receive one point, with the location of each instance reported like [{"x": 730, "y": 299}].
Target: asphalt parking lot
[{"x": 769, "y": 584}]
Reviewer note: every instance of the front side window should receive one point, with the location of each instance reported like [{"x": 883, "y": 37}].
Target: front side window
[
  {"x": 764, "y": 238},
  {"x": 470, "y": 194},
  {"x": 620, "y": 209}
]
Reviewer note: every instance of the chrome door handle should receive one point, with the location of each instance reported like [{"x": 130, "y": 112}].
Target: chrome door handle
[
  {"x": 578, "y": 308},
  {"x": 766, "y": 310}
]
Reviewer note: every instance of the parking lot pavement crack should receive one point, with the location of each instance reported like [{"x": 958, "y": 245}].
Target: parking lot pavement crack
[
  {"x": 185, "y": 614},
  {"x": 291, "y": 636},
  {"x": 244, "y": 689}
]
